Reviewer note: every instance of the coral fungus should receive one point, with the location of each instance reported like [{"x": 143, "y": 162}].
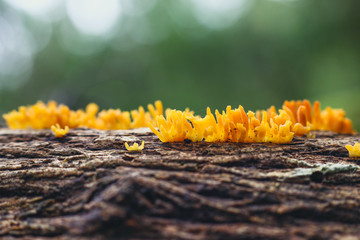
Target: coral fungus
[
  {"x": 230, "y": 126},
  {"x": 295, "y": 118},
  {"x": 43, "y": 116},
  {"x": 58, "y": 131},
  {"x": 305, "y": 117},
  {"x": 329, "y": 119},
  {"x": 354, "y": 151},
  {"x": 135, "y": 147}
]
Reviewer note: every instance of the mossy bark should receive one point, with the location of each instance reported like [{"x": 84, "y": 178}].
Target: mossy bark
[{"x": 88, "y": 186}]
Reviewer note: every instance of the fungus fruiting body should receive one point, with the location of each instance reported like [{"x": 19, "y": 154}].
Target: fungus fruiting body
[
  {"x": 43, "y": 116},
  {"x": 230, "y": 126},
  {"x": 329, "y": 119},
  {"x": 354, "y": 151},
  {"x": 135, "y": 147},
  {"x": 233, "y": 125},
  {"x": 295, "y": 118},
  {"x": 58, "y": 131}
]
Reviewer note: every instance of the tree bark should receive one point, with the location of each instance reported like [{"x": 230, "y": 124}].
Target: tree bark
[{"x": 86, "y": 185}]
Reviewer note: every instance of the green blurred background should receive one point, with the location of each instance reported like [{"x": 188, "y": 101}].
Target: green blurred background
[{"x": 187, "y": 53}]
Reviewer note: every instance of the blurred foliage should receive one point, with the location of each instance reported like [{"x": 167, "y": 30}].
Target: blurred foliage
[{"x": 275, "y": 50}]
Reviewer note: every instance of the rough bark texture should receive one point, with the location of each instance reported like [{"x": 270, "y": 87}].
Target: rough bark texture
[{"x": 87, "y": 185}]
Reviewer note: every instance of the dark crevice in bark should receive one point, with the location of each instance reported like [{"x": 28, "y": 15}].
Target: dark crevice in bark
[{"x": 87, "y": 185}]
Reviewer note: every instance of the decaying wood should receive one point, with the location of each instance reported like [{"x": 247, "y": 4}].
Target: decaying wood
[{"x": 87, "y": 185}]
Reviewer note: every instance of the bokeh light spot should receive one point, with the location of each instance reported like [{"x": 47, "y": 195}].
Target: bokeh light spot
[
  {"x": 93, "y": 17},
  {"x": 218, "y": 14},
  {"x": 16, "y": 52},
  {"x": 137, "y": 7},
  {"x": 37, "y": 8}
]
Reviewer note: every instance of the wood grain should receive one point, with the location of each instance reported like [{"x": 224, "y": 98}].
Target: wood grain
[{"x": 88, "y": 186}]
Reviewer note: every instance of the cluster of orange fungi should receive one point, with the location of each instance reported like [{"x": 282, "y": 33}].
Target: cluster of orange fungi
[{"x": 231, "y": 125}]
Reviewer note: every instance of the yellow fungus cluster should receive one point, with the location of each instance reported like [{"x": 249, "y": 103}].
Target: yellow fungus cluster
[
  {"x": 295, "y": 118},
  {"x": 230, "y": 126},
  {"x": 135, "y": 147},
  {"x": 305, "y": 117},
  {"x": 311, "y": 116},
  {"x": 43, "y": 116},
  {"x": 58, "y": 131},
  {"x": 354, "y": 151}
]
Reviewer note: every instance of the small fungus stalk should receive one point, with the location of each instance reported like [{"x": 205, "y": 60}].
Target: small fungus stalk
[
  {"x": 135, "y": 147},
  {"x": 58, "y": 131},
  {"x": 354, "y": 151}
]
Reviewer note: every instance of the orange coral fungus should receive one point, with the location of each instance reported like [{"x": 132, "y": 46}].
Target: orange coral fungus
[
  {"x": 305, "y": 117},
  {"x": 299, "y": 128},
  {"x": 172, "y": 128},
  {"x": 328, "y": 119},
  {"x": 58, "y": 131},
  {"x": 230, "y": 126},
  {"x": 43, "y": 116},
  {"x": 296, "y": 117},
  {"x": 354, "y": 151}
]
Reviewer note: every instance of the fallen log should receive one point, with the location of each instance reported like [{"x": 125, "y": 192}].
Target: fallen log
[{"x": 86, "y": 185}]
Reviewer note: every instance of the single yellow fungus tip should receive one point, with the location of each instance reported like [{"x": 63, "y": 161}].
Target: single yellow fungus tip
[
  {"x": 311, "y": 135},
  {"x": 354, "y": 151},
  {"x": 58, "y": 131},
  {"x": 135, "y": 147}
]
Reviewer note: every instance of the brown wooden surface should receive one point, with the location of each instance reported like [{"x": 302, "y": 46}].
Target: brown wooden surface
[{"x": 87, "y": 186}]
